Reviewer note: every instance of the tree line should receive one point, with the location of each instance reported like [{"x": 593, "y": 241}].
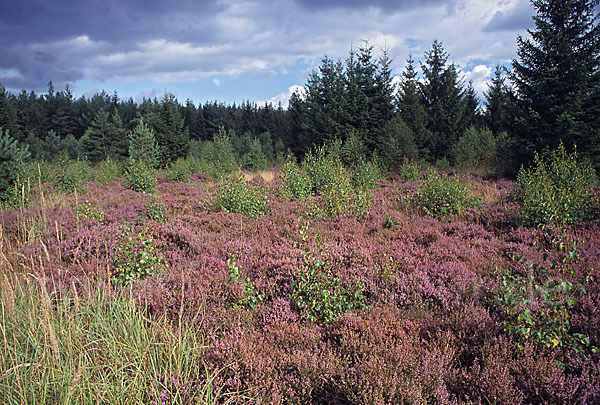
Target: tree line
[{"x": 551, "y": 94}]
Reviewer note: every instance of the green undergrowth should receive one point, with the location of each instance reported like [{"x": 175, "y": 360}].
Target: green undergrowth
[{"x": 97, "y": 347}]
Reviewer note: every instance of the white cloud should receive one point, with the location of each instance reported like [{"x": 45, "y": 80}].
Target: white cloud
[
  {"x": 283, "y": 97},
  {"x": 216, "y": 82}
]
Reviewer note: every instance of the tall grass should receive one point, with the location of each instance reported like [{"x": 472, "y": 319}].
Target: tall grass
[{"x": 96, "y": 347}]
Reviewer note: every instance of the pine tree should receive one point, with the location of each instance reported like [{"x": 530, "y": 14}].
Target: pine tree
[
  {"x": 95, "y": 143},
  {"x": 557, "y": 78},
  {"x": 143, "y": 146},
  {"x": 411, "y": 110},
  {"x": 442, "y": 98},
  {"x": 12, "y": 156},
  {"x": 472, "y": 113},
  {"x": 8, "y": 113},
  {"x": 498, "y": 116}
]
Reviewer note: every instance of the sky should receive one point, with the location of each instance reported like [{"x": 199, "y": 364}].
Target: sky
[{"x": 235, "y": 51}]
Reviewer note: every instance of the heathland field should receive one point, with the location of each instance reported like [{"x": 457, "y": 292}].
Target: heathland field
[{"x": 311, "y": 283}]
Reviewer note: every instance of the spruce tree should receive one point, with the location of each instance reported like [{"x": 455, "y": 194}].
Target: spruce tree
[
  {"x": 498, "y": 116},
  {"x": 411, "y": 109},
  {"x": 143, "y": 146},
  {"x": 12, "y": 157},
  {"x": 442, "y": 97},
  {"x": 557, "y": 78}
]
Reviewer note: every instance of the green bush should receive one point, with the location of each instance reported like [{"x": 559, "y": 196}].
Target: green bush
[
  {"x": 557, "y": 189},
  {"x": 296, "y": 183},
  {"x": 365, "y": 174},
  {"x": 220, "y": 154},
  {"x": 474, "y": 148},
  {"x": 85, "y": 210},
  {"x": 139, "y": 176},
  {"x": 12, "y": 160},
  {"x": 251, "y": 297},
  {"x": 179, "y": 170},
  {"x": 319, "y": 295},
  {"x": 143, "y": 145},
  {"x": 538, "y": 308},
  {"x": 440, "y": 195},
  {"x": 410, "y": 170},
  {"x": 320, "y": 167},
  {"x": 155, "y": 211},
  {"x": 255, "y": 159},
  {"x": 108, "y": 170},
  {"x": 69, "y": 175},
  {"x": 235, "y": 195},
  {"x": 135, "y": 256}
]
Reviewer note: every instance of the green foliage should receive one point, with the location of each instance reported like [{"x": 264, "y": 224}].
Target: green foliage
[
  {"x": 320, "y": 167},
  {"x": 317, "y": 292},
  {"x": 12, "y": 159},
  {"x": 251, "y": 297},
  {"x": 85, "y": 210},
  {"x": 143, "y": 146},
  {"x": 136, "y": 256},
  {"x": 410, "y": 170},
  {"x": 396, "y": 143},
  {"x": 296, "y": 183},
  {"x": 353, "y": 148},
  {"x": 108, "y": 170},
  {"x": 180, "y": 170},
  {"x": 139, "y": 176},
  {"x": 255, "y": 159},
  {"x": 69, "y": 175},
  {"x": 155, "y": 211},
  {"x": 557, "y": 189},
  {"x": 220, "y": 154},
  {"x": 440, "y": 195},
  {"x": 474, "y": 148},
  {"x": 365, "y": 174},
  {"x": 538, "y": 308},
  {"x": 235, "y": 195}
]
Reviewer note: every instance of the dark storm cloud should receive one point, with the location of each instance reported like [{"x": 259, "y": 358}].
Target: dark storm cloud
[
  {"x": 381, "y": 4},
  {"x": 513, "y": 19},
  {"x": 43, "y": 40}
]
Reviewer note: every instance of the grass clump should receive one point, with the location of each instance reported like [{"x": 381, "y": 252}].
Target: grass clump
[{"x": 97, "y": 347}]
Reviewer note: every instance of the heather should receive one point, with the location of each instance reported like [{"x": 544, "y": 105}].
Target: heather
[{"x": 177, "y": 297}]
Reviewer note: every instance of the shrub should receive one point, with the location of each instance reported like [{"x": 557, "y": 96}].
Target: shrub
[
  {"x": 251, "y": 297},
  {"x": 557, "y": 189},
  {"x": 410, "y": 170},
  {"x": 365, "y": 174},
  {"x": 108, "y": 170},
  {"x": 220, "y": 155},
  {"x": 320, "y": 168},
  {"x": 69, "y": 175},
  {"x": 296, "y": 183},
  {"x": 318, "y": 294},
  {"x": 139, "y": 176},
  {"x": 135, "y": 256},
  {"x": 441, "y": 196},
  {"x": 353, "y": 148},
  {"x": 234, "y": 195},
  {"x": 155, "y": 211},
  {"x": 475, "y": 147},
  {"x": 12, "y": 159},
  {"x": 538, "y": 309},
  {"x": 85, "y": 210},
  {"x": 179, "y": 170}
]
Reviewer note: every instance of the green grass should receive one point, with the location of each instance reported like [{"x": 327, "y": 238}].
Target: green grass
[{"x": 96, "y": 347}]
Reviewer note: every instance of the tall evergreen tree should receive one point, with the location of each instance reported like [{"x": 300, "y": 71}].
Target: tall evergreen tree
[
  {"x": 411, "y": 109},
  {"x": 143, "y": 146},
  {"x": 8, "y": 114},
  {"x": 442, "y": 97},
  {"x": 557, "y": 78},
  {"x": 498, "y": 116}
]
